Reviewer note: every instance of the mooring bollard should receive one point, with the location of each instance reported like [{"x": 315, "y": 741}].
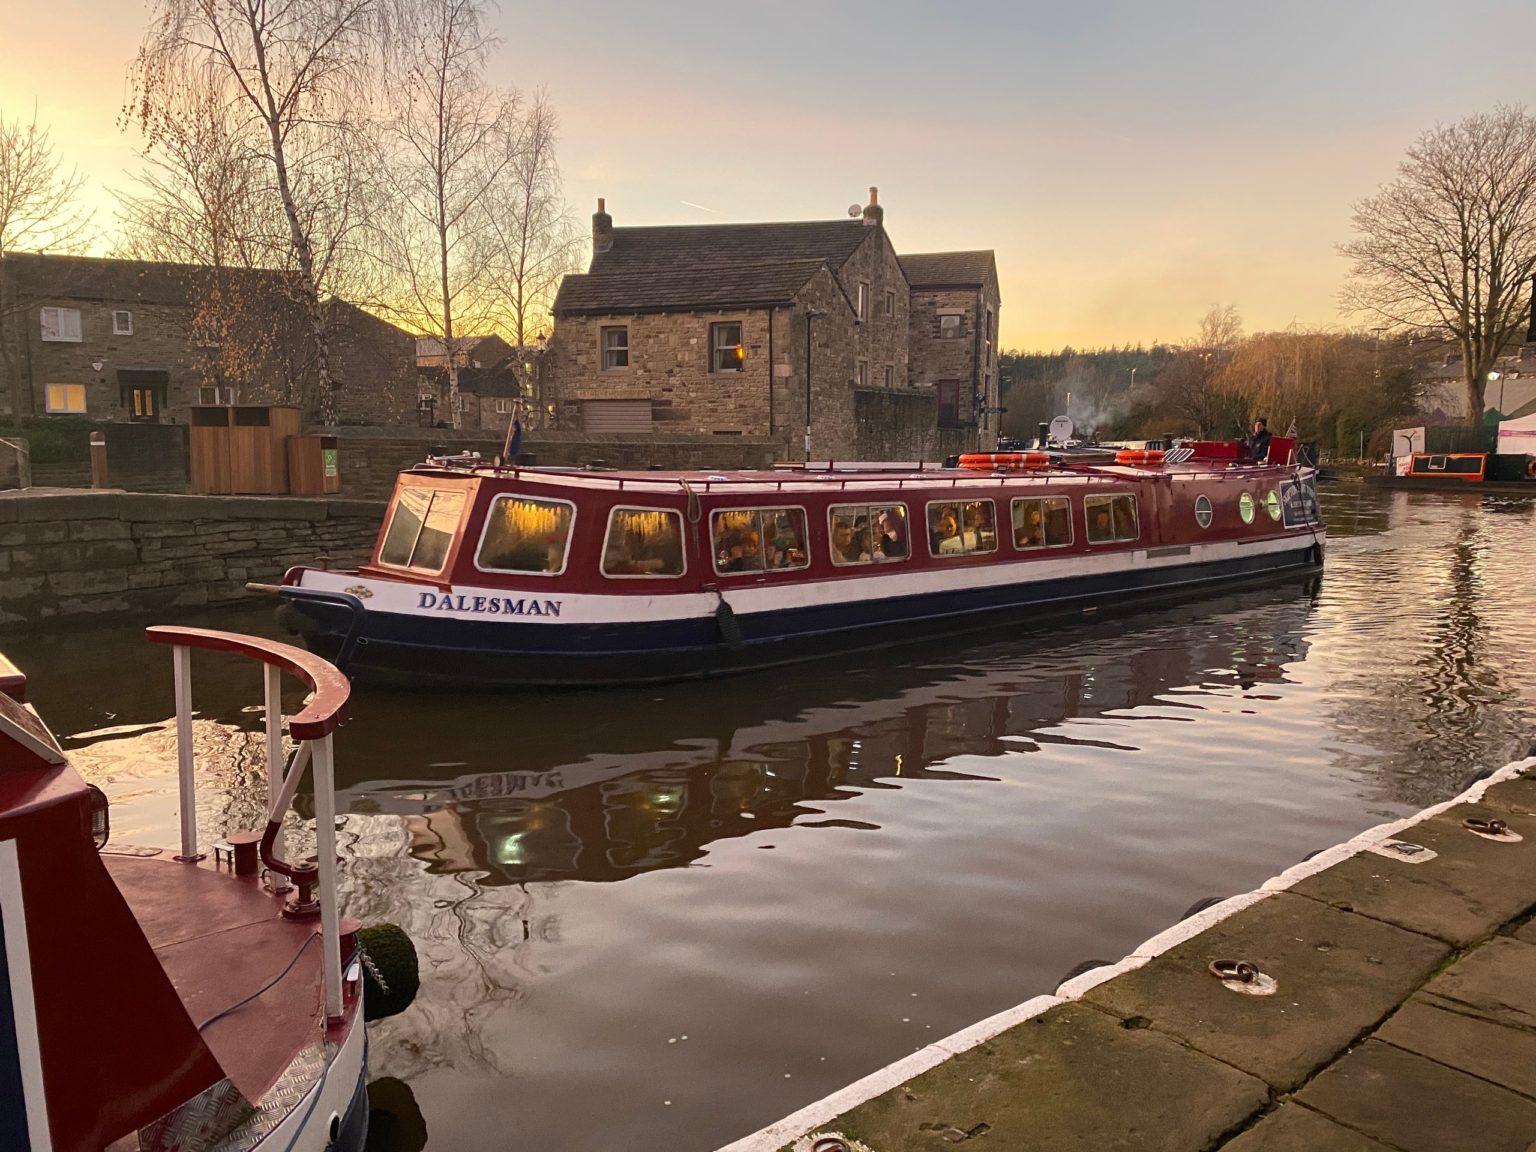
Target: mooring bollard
[{"x": 98, "y": 459}]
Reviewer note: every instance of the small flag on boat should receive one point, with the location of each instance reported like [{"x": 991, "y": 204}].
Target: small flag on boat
[{"x": 1291, "y": 431}]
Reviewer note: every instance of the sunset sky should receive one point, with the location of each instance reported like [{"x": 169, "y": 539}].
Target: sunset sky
[{"x": 1131, "y": 163}]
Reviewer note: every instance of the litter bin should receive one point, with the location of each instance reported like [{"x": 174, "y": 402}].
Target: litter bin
[{"x": 314, "y": 467}]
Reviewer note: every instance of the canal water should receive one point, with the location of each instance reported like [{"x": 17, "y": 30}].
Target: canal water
[{"x": 653, "y": 921}]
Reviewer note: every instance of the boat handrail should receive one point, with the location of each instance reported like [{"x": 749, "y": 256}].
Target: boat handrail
[{"x": 312, "y": 728}]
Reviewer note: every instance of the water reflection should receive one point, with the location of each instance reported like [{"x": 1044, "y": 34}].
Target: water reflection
[{"x": 604, "y": 816}]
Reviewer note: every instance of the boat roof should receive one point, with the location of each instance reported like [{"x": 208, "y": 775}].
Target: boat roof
[{"x": 1099, "y": 467}]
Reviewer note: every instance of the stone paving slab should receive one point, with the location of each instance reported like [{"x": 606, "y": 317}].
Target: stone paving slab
[
  {"x": 1419, "y": 1106},
  {"x": 1072, "y": 1080},
  {"x": 1502, "y": 1055},
  {"x": 1339, "y": 975},
  {"x": 1496, "y": 982},
  {"x": 1293, "y": 1128},
  {"x": 1472, "y": 887}
]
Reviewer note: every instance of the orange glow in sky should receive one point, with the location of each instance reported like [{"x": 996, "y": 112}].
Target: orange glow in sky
[{"x": 1131, "y": 164}]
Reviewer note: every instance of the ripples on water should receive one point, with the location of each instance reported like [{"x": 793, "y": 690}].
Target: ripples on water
[{"x": 658, "y": 920}]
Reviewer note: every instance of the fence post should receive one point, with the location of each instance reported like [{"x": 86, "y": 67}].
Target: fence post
[
  {"x": 23, "y": 462},
  {"x": 98, "y": 459}
]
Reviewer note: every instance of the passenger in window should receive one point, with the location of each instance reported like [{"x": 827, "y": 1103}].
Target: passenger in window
[
  {"x": 1100, "y": 530},
  {"x": 1058, "y": 526},
  {"x": 844, "y": 547},
  {"x": 890, "y": 536},
  {"x": 1125, "y": 518},
  {"x": 947, "y": 539},
  {"x": 862, "y": 541},
  {"x": 1031, "y": 533}
]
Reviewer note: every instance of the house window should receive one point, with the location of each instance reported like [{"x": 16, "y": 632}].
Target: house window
[
  {"x": 949, "y": 325},
  {"x": 989, "y": 336},
  {"x": 1110, "y": 518},
  {"x": 212, "y": 394},
  {"x": 863, "y": 301},
  {"x": 503, "y": 406},
  {"x": 890, "y": 376},
  {"x": 122, "y": 323},
  {"x": 890, "y": 303},
  {"x": 64, "y": 397},
  {"x": 725, "y": 350},
  {"x": 61, "y": 324},
  {"x": 615, "y": 348},
  {"x": 961, "y": 528},
  {"x": 947, "y": 393},
  {"x": 863, "y": 374}
]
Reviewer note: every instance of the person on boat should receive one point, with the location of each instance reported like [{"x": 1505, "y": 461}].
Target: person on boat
[
  {"x": 947, "y": 538},
  {"x": 1031, "y": 533},
  {"x": 1258, "y": 443},
  {"x": 1101, "y": 529},
  {"x": 890, "y": 536},
  {"x": 845, "y": 546},
  {"x": 1125, "y": 519},
  {"x": 862, "y": 539}
]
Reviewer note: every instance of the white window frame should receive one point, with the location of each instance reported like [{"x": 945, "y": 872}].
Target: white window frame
[
  {"x": 63, "y": 320},
  {"x": 603, "y": 349},
  {"x": 890, "y": 302},
  {"x": 221, "y": 395},
  {"x": 1205, "y": 513},
  {"x": 805, "y": 519},
  {"x": 861, "y": 374},
  {"x": 928, "y": 532},
  {"x": 503, "y": 406},
  {"x": 890, "y": 376},
  {"x": 1110, "y": 497},
  {"x": 394, "y": 510},
  {"x": 741, "y": 338},
  {"x": 682, "y": 544},
  {"x": 951, "y": 325},
  {"x": 863, "y": 300},
  {"x": 485, "y": 528},
  {"x": 123, "y": 326},
  {"x": 1071, "y": 534},
  {"x": 49, "y": 407}
]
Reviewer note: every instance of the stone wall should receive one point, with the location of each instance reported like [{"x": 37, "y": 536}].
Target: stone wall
[
  {"x": 880, "y": 340},
  {"x": 903, "y": 426},
  {"x": 66, "y": 554}
]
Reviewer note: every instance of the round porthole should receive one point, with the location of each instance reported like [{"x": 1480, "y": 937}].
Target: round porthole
[
  {"x": 1245, "y": 507},
  {"x": 1272, "y": 504},
  {"x": 1203, "y": 511}
]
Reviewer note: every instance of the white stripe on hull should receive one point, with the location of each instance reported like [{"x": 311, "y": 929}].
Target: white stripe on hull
[{"x": 766, "y": 594}]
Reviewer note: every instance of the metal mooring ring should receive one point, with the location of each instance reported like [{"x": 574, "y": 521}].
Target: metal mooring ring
[
  {"x": 1239, "y": 970},
  {"x": 830, "y": 1144},
  {"x": 1486, "y": 827}
]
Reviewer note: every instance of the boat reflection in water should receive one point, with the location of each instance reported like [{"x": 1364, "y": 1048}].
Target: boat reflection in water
[{"x": 776, "y": 757}]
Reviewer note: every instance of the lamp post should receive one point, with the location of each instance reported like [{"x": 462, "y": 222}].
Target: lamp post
[{"x": 810, "y": 314}]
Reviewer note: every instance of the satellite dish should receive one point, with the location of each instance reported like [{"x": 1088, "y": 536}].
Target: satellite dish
[
  {"x": 855, "y": 210},
  {"x": 1061, "y": 430}
]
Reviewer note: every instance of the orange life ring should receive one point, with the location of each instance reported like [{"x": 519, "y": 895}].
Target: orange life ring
[
  {"x": 1002, "y": 461},
  {"x": 1138, "y": 456},
  {"x": 1530, "y": 468}
]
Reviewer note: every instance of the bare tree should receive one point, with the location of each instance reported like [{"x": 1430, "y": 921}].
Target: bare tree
[
  {"x": 1193, "y": 387},
  {"x": 441, "y": 164},
  {"x": 301, "y": 71},
  {"x": 535, "y": 241},
  {"x": 37, "y": 211},
  {"x": 1449, "y": 244}
]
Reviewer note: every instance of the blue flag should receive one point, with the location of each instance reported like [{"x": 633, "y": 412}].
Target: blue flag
[{"x": 514, "y": 440}]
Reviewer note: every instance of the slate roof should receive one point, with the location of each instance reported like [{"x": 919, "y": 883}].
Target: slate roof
[
  {"x": 708, "y": 266},
  {"x": 685, "y": 286},
  {"x": 948, "y": 269},
  {"x": 39, "y": 275}
]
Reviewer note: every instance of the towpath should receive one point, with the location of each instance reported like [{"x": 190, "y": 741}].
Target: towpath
[{"x": 1402, "y": 1018}]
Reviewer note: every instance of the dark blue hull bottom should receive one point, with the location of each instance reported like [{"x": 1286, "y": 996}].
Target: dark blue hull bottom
[{"x": 425, "y": 650}]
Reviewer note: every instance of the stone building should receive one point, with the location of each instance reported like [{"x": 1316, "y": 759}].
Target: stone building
[
  {"x": 953, "y": 336},
  {"x": 797, "y": 331},
  {"x": 129, "y": 340}
]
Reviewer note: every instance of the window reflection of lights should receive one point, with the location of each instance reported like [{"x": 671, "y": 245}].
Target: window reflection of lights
[
  {"x": 510, "y": 850},
  {"x": 667, "y": 800}
]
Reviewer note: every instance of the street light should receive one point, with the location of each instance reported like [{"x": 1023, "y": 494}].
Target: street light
[{"x": 810, "y": 314}]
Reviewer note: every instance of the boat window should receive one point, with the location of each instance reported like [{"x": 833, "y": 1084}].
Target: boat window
[
  {"x": 1110, "y": 518},
  {"x": 422, "y": 525},
  {"x": 644, "y": 542},
  {"x": 1203, "y": 511},
  {"x": 1042, "y": 523},
  {"x": 526, "y": 535},
  {"x": 1245, "y": 507},
  {"x": 759, "y": 539},
  {"x": 961, "y": 528},
  {"x": 868, "y": 533},
  {"x": 1272, "y": 504}
]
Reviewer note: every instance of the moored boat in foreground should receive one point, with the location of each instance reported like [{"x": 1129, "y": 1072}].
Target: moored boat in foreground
[
  {"x": 169, "y": 1003},
  {"x": 485, "y": 575}
]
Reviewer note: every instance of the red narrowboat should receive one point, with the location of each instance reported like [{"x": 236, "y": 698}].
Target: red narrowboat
[
  {"x": 166, "y": 1003},
  {"x": 485, "y": 575}
]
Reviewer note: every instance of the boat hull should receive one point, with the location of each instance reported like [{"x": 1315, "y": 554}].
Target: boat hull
[{"x": 423, "y": 648}]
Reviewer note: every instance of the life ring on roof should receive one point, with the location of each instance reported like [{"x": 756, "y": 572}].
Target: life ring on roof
[
  {"x": 1139, "y": 456},
  {"x": 1004, "y": 461},
  {"x": 1530, "y": 468}
]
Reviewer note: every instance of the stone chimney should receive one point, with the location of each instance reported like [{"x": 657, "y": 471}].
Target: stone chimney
[
  {"x": 873, "y": 213},
  {"x": 602, "y": 229}
]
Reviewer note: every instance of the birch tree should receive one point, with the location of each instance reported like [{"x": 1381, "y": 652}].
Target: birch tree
[
  {"x": 301, "y": 72},
  {"x": 441, "y": 164},
  {"x": 1450, "y": 243},
  {"x": 38, "y": 210},
  {"x": 534, "y": 241}
]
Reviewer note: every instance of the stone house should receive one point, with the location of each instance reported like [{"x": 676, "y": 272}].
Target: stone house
[
  {"x": 473, "y": 352},
  {"x": 130, "y": 340},
  {"x": 797, "y": 331},
  {"x": 953, "y": 336}
]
